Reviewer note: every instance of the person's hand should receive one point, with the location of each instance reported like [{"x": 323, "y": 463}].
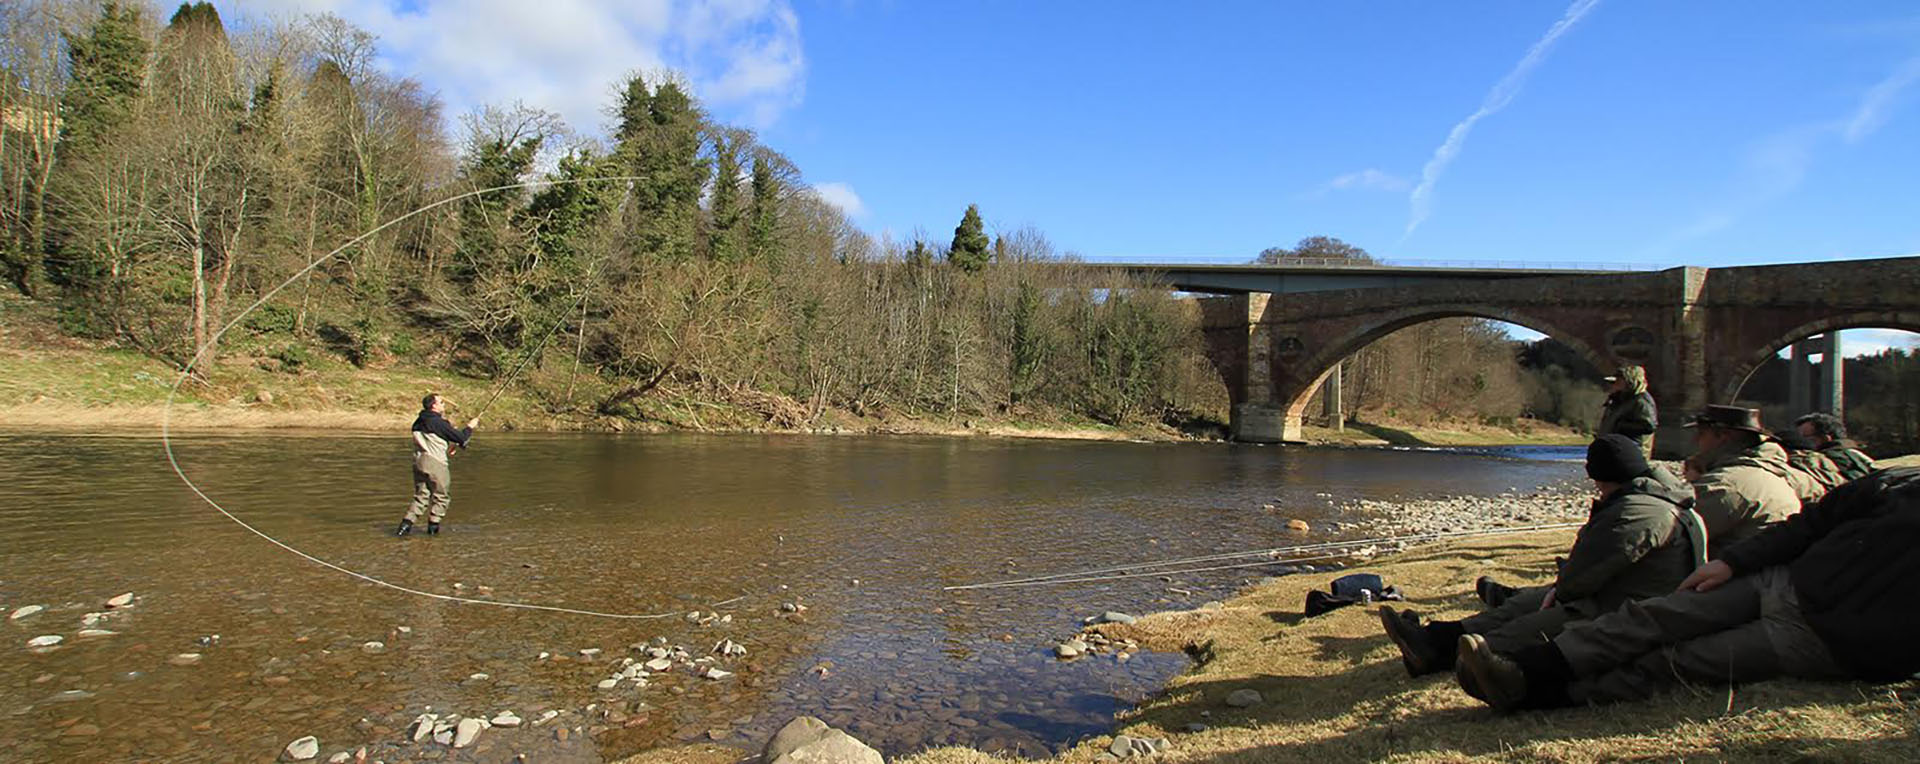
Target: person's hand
[
  {"x": 1709, "y": 577},
  {"x": 472, "y": 423},
  {"x": 1549, "y": 600}
]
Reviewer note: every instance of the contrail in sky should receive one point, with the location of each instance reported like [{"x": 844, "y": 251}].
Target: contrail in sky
[{"x": 1496, "y": 99}]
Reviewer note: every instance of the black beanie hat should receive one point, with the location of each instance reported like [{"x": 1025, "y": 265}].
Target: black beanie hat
[{"x": 1615, "y": 459}]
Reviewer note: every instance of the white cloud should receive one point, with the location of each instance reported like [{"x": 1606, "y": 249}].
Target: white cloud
[
  {"x": 1365, "y": 180},
  {"x": 1495, "y": 100},
  {"x": 743, "y": 58},
  {"x": 841, "y": 195},
  {"x": 1775, "y": 165}
]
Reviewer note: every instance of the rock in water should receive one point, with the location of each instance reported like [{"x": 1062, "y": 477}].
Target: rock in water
[
  {"x": 184, "y": 659},
  {"x": 1111, "y": 616},
  {"x": 303, "y": 749},
  {"x": 1298, "y": 526},
  {"x": 506, "y": 719},
  {"x": 91, "y": 633},
  {"x": 1070, "y": 649},
  {"x": 121, "y": 600},
  {"x": 423, "y": 727},
  {"x": 340, "y": 758},
  {"x": 658, "y": 664},
  {"x": 1243, "y": 698},
  {"x": 467, "y": 732},
  {"x": 25, "y": 611},
  {"x": 806, "y": 739},
  {"x": 48, "y": 640},
  {"x": 714, "y": 672}
]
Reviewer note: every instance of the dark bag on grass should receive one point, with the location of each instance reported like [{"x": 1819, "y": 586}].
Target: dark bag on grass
[{"x": 1347, "y": 590}]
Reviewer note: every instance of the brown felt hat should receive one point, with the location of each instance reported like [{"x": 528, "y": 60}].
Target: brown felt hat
[{"x": 1729, "y": 418}]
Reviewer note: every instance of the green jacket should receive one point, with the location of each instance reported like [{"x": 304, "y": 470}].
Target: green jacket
[
  {"x": 1743, "y": 491},
  {"x": 1816, "y": 465},
  {"x": 1635, "y": 545},
  {"x": 1852, "y": 462},
  {"x": 1631, "y": 415}
]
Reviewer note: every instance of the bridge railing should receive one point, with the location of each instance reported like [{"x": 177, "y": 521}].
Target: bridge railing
[{"x": 1533, "y": 265}]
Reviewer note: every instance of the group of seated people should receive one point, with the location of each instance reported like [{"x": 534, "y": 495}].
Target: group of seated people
[{"x": 1792, "y": 559}]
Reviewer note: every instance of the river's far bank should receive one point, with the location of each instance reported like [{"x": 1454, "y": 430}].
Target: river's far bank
[{"x": 54, "y": 384}]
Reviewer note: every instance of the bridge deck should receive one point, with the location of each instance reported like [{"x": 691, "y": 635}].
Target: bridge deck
[{"x": 1296, "y": 278}]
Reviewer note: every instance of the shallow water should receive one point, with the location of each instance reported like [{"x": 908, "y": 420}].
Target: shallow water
[{"x": 862, "y": 531}]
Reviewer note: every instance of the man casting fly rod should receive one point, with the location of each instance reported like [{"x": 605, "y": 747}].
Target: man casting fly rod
[{"x": 434, "y": 441}]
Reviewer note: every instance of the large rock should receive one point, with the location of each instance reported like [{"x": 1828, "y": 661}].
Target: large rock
[
  {"x": 1243, "y": 698},
  {"x": 467, "y": 732},
  {"x": 25, "y": 611},
  {"x": 807, "y": 740}
]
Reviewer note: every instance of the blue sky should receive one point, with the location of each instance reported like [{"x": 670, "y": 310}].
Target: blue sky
[{"x": 1590, "y": 131}]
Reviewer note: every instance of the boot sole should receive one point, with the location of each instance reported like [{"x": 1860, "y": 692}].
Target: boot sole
[
  {"x": 1482, "y": 674},
  {"x": 1416, "y": 662}
]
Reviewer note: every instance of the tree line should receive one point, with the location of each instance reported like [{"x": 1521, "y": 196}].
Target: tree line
[{"x": 161, "y": 177}]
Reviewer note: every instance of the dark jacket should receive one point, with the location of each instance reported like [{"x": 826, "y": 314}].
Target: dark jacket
[
  {"x": 1853, "y": 463},
  {"x": 432, "y": 434},
  {"x": 1852, "y": 561},
  {"x": 1634, "y": 545},
  {"x": 1631, "y": 415}
]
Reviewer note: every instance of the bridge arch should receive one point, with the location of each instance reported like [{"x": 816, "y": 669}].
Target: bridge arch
[
  {"x": 1299, "y": 379},
  {"x": 1746, "y": 364}
]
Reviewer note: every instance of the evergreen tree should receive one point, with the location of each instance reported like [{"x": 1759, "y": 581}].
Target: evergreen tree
[
  {"x": 763, "y": 208},
  {"x": 108, "y": 66},
  {"x": 724, "y": 208},
  {"x": 969, "y": 250},
  {"x": 659, "y": 144}
]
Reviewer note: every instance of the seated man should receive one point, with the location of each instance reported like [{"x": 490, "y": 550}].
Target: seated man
[
  {"x": 1829, "y": 436},
  {"x": 1639, "y": 541},
  {"x": 1810, "y": 472},
  {"x": 1744, "y": 485},
  {"x": 1829, "y": 594}
]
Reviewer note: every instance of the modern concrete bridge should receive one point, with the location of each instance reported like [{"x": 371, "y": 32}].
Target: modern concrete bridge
[{"x": 1698, "y": 331}]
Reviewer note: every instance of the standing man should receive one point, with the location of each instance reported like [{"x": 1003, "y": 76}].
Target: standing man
[
  {"x": 1829, "y": 436},
  {"x": 434, "y": 439},
  {"x": 1630, "y": 410},
  {"x": 1744, "y": 486}
]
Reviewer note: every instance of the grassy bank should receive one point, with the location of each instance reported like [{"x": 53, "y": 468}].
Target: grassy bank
[{"x": 1334, "y": 691}]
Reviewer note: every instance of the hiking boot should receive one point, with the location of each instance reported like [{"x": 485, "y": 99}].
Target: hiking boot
[
  {"x": 1467, "y": 684},
  {"x": 406, "y": 527},
  {"x": 1416, "y": 650},
  {"x": 1493, "y": 592},
  {"x": 1497, "y": 681},
  {"x": 433, "y": 528}
]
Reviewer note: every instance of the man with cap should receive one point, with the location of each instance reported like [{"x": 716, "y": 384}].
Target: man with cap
[
  {"x": 1743, "y": 486},
  {"x": 1640, "y": 540},
  {"x": 1829, "y": 437},
  {"x": 1829, "y": 594},
  {"x": 1629, "y": 409}
]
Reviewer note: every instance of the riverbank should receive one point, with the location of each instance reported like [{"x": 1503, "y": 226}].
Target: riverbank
[{"x": 1331, "y": 688}]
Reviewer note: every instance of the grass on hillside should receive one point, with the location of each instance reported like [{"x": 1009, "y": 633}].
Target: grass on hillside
[{"x": 1335, "y": 691}]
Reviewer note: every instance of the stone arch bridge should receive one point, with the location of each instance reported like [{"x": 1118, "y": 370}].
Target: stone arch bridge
[{"x": 1698, "y": 331}]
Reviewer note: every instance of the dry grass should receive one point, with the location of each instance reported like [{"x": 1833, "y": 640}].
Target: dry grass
[{"x": 1335, "y": 691}]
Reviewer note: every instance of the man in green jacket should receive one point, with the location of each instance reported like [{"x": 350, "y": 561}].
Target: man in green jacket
[
  {"x": 1640, "y": 540},
  {"x": 1629, "y": 409},
  {"x": 1744, "y": 484},
  {"x": 1829, "y": 436}
]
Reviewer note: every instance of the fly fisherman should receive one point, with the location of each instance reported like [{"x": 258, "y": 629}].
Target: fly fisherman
[{"x": 434, "y": 439}]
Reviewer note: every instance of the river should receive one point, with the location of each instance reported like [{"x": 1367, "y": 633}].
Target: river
[{"x": 860, "y": 531}]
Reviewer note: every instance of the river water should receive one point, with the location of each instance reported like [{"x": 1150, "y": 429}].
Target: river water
[{"x": 862, "y": 532}]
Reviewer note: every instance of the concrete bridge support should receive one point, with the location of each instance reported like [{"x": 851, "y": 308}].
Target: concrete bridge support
[{"x": 1810, "y": 389}]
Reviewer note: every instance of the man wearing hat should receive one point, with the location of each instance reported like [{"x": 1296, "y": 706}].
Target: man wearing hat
[
  {"x": 1828, "y": 594},
  {"x": 1640, "y": 540},
  {"x": 1743, "y": 484}
]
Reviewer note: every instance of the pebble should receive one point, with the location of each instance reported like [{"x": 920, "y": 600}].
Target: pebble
[
  {"x": 467, "y": 732},
  {"x": 91, "y": 633},
  {"x": 608, "y": 684},
  {"x": 121, "y": 600},
  {"x": 422, "y": 727},
  {"x": 1110, "y": 616},
  {"x": 715, "y": 673},
  {"x": 1298, "y": 525},
  {"x": 589, "y": 652},
  {"x": 1070, "y": 649},
  {"x": 506, "y": 719},
  {"x": 184, "y": 659},
  {"x": 340, "y": 758},
  {"x": 25, "y": 611},
  {"x": 730, "y": 647},
  {"x": 373, "y": 647},
  {"x": 545, "y": 717},
  {"x": 1195, "y": 727},
  {"x": 47, "y": 640},
  {"x": 303, "y": 749},
  {"x": 658, "y": 664},
  {"x": 1243, "y": 698}
]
